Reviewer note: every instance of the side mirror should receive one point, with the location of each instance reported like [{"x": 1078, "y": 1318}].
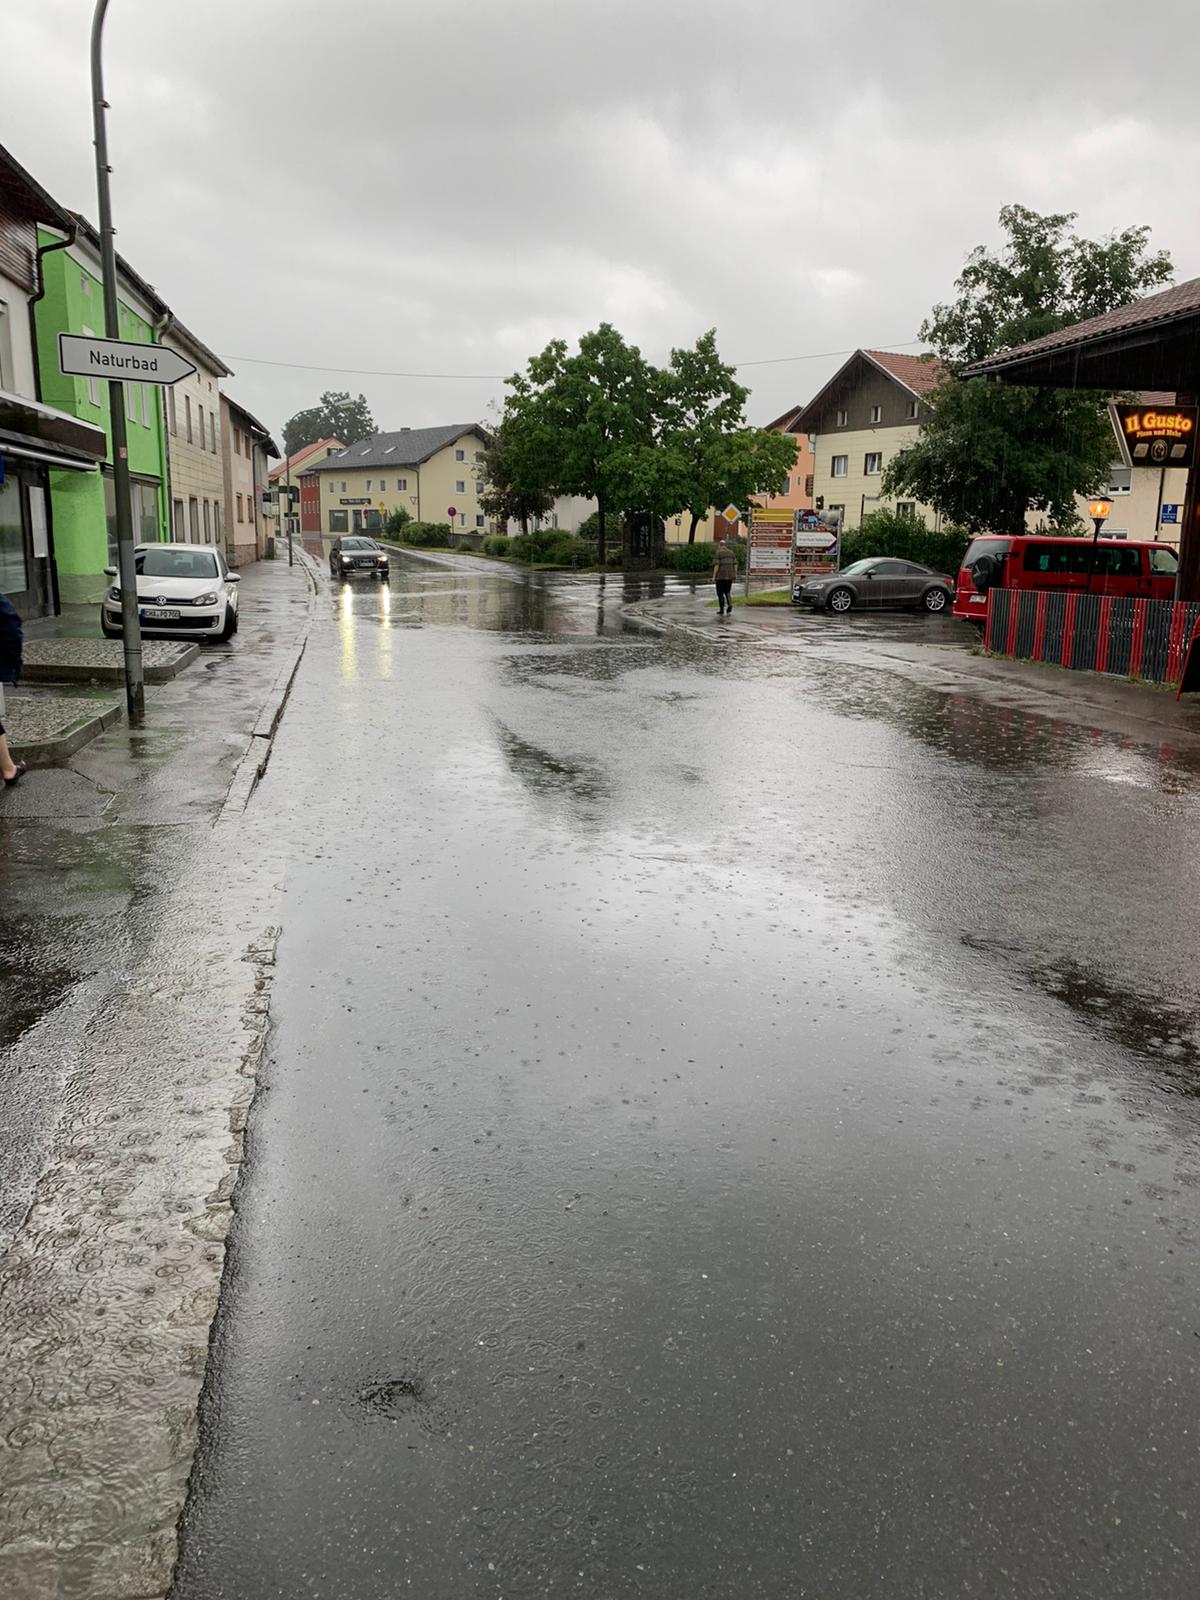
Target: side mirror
[
  {"x": 869, "y": 573},
  {"x": 233, "y": 577},
  {"x": 110, "y": 572}
]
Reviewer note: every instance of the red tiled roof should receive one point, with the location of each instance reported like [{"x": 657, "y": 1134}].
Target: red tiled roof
[
  {"x": 303, "y": 454},
  {"x": 921, "y": 374},
  {"x": 1181, "y": 300}
]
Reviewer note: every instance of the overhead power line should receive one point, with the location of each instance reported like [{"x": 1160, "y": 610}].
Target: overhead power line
[{"x": 501, "y": 377}]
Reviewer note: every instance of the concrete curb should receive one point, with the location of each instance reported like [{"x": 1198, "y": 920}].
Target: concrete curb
[
  {"x": 48, "y": 752},
  {"x": 253, "y": 763}
]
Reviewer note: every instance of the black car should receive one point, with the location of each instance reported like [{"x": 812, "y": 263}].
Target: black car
[
  {"x": 357, "y": 555},
  {"x": 877, "y": 583}
]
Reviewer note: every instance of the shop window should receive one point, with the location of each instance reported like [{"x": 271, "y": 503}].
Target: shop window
[
  {"x": 339, "y": 521},
  {"x": 13, "y": 576}
]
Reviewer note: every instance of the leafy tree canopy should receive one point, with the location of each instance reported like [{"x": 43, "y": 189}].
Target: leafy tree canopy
[
  {"x": 990, "y": 452},
  {"x": 335, "y": 416}
]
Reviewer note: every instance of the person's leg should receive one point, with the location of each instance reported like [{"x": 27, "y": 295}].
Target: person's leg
[{"x": 8, "y": 767}]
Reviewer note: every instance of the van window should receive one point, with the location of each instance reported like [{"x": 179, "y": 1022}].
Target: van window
[
  {"x": 1061, "y": 558},
  {"x": 1119, "y": 560},
  {"x": 986, "y": 547},
  {"x": 1164, "y": 563}
]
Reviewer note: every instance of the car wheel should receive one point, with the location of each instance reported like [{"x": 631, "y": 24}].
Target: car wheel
[
  {"x": 840, "y": 601},
  {"x": 934, "y": 600},
  {"x": 231, "y": 624}
]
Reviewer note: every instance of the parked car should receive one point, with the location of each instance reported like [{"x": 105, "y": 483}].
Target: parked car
[
  {"x": 183, "y": 589},
  {"x": 876, "y": 583},
  {"x": 357, "y": 554},
  {"x": 1139, "y": 567}
]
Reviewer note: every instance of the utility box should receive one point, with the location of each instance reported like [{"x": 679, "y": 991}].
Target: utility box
[{"x": 643, "y": 542}]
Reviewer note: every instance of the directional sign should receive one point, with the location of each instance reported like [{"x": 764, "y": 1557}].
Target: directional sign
[{"x": 120, "y": 358}]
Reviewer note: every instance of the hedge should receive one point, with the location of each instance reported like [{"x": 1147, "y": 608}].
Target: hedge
[{"x": 885, "y": 533}]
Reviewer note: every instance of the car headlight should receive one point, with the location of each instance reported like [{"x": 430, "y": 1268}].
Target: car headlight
[
  {"x": 114, "y": 593},
  {"x": 206, "y": 600},
  {"x": 382, "y": 560}
]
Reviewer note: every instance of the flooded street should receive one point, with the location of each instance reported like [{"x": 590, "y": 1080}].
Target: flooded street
[{"x": 729, "y": 1124}]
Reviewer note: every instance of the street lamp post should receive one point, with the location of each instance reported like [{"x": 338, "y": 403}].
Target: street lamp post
[
  {"x": 1099, "y": 511},
  {"x": 131, "y": 632}
]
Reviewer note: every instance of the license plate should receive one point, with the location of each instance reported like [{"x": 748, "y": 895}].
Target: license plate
[{"x": 158, "y": 614}]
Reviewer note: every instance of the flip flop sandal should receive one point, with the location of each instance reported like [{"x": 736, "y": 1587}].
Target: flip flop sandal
[{"x": 17, "y": 775}]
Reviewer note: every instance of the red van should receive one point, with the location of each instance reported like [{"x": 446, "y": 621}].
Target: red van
[{"x": 1135, "y": 567}]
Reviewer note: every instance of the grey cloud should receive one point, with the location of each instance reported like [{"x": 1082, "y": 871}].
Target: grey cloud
[{"x": 440, "y": 189}]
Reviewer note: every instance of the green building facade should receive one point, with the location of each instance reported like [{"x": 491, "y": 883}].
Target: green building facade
[{"x": 84, "y": 504}]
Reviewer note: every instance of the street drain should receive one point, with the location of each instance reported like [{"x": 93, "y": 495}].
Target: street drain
[{"x": 395, "y": 1398}]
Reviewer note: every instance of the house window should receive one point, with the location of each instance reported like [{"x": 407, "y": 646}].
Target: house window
[
  {"x": 876, "y": 413},
  {"x": 339, "y": 521},
  {"x": 171, "y": 410},
  {"x": 187, "y": 416},
  {"x": 131, "y": 403},
  {"x": 240, "y": 517},
  {"x": 402, "y": 483},
  {"x": 459, "y": 486},
  {"x": 460, "y": 455},
  {"x": 178, "y": 532},
  {"x": 808, "y": 485},
  {"x": 343, "y": 485},
  {"x": 200, "y": 424},
  {"x": 93, "y": 385},
  {"x": 906, "y": 508},
  {"x": 194, "y": 519},
  {"x": 1120, "y": 479},
  {"x": 145, "y": 405},
  {"x": 840, "y": 464},
  {"x": 212, "y": 432},
  {"x": 207, "y": 523},
  {"x": 873, "y": 463},
  {"x": 910, "y": 410},
  {"x": 216, "y": 522},
  {"x": 85, "y": 289},
  {"x": 841, "y": 419},
  {"x": 479, "y": 521},
  {"x": 787, "y": 486}
]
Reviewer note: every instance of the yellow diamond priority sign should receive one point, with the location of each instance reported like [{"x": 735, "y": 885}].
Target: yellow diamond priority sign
[{"x": 732, "y": 514}]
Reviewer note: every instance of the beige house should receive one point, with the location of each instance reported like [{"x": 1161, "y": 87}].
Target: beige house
[
  {"x": 245, "y": 455},
  {"x": 868, "y": 411},
  {"x": 195, "y": 438},
  {"x": 429, "y": 472}
]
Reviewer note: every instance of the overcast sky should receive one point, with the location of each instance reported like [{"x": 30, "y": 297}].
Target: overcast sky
[{"x": 377, "y": 184}]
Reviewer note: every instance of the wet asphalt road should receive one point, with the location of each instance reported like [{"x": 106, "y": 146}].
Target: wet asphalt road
[{"x": 729, "y": 1129}]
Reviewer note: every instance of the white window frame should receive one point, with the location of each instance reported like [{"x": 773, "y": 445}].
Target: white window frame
[
  {"x": 842, "y": 463},
  {"x": 460, "y": 455},
  {"x": 911, "y": 412},
  {"x": 131, "y": 401},
  {"x": 870, "y": 471},
  {"x": 145, "y": 405},
  {"x": 876, "y": 414},
  {"x": 841, "y": 418},
  {"x": 460, "y": 486},
  {"x": 92, "y": 383},
  {"x": 401, "y": 485}
]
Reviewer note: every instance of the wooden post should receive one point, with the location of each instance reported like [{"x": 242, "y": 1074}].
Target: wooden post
[{"x": 1187, "y": 585}]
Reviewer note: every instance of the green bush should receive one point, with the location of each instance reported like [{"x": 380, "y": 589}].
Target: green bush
[
  {"x": 396, "y": 521},
  {"x": 497, "y": 544},
  {"x": 553, "y": 546},
  {"x": 426, "y": 533},
  {"x": 699, "y": 557},
  {"x": 589, "y": 528},
  {"x": 885, "y": 533}
]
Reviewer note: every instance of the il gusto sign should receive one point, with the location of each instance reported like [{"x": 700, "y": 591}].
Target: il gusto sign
[{"x": 1155, "y": 438}]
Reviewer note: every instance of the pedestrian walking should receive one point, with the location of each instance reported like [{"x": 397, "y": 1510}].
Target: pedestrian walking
[
  {"x": 723, "y": 573},
  {"x": 10, "y": 671}
]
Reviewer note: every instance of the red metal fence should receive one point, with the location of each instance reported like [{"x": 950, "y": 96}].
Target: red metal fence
[{"x": 1092, "y": 632}]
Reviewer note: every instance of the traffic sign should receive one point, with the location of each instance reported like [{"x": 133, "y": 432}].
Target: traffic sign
[
  {"x": 1170, "y": 514},
  {"x": 452, "y": 512},
  {"x": 732, "y": 514},
  {"x": 116, "y": 359}
]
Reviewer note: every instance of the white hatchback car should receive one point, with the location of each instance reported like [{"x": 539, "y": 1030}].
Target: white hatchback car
[{"x": 182, "y": 589}]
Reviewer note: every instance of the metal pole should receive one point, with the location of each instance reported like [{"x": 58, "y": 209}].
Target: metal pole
[
  {"x": 1097, "y": 523},
  {"x": 131, "y": 632},
  {"x": 288, "y": 471}
]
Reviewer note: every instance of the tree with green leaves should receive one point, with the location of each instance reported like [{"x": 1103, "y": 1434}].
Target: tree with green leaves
[
  {"x": 511, "y": 488},
  {"x": 990, "y": 453},
  {"x": 709, "y": 457},
  {"x": 580, "y": 423},
  {"x": 335, "y": 416}
]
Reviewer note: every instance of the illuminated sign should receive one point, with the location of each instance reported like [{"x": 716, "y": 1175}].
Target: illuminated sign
[{"x": 1154, "y": 436}]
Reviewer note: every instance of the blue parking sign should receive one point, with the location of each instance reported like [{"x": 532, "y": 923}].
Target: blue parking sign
[{"x": 1169, "y": 514}]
